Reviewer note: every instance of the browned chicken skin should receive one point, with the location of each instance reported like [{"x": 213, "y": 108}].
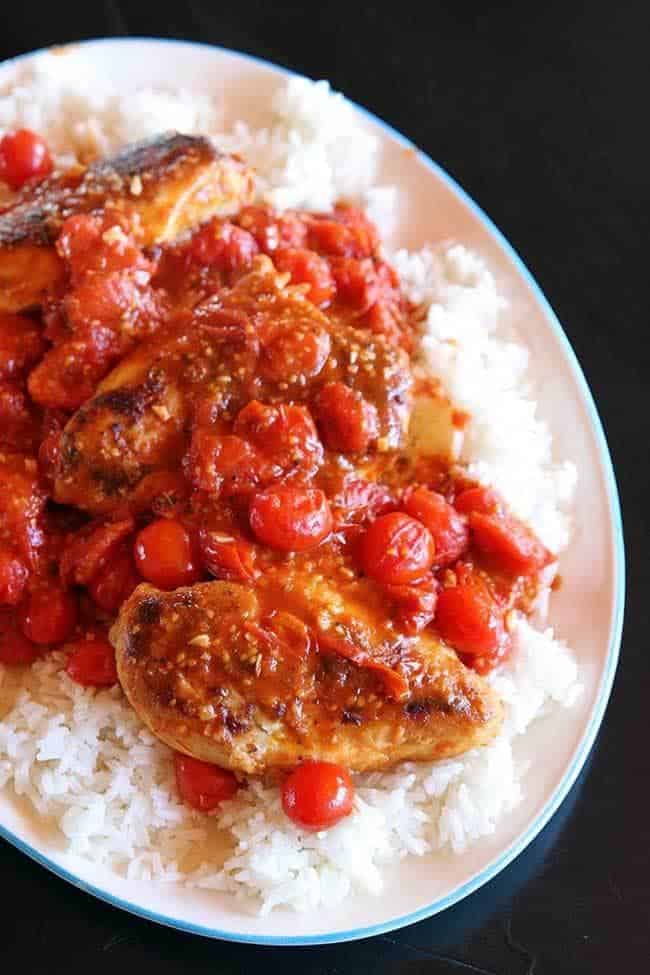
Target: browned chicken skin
[
  {"x": 204, "y": 668},
  {"x": 139, "y": 421},
  {"x": 163, "y": 187}
]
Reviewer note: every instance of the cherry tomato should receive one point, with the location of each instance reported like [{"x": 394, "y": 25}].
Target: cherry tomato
[
  {"x": 224, "y": 245},
  {"x": 88, "y": 550},
  {"x": 510, "y": 545},
  {"x": 307, "y": 267},
  {"x": 13, "y": 576},
  {"x": 15, "y": 649},
  {"x": 317, "y": 795},
  {"x": 285, "y": 434},
  {"x": 92, "y": 663},
  {"x": 21, "y": 344},
  {"x": 415, "y": 604},
  {"x": 448, "y": 528},
  {"x": 359, "y": 500},
  {"x": 23, "y": 156},
  {"x": 356, "y": 282},
  {"x": 115, "y": 582},
  {"x": 478, "y": 498},
  {"x": 291, "y": 519},
  {"x": 272, "y": 229},
  {"x": 301, "y": 351},
  {"x": 396, "y": 549},
  {"x": 165, "y": 554},
  {"x": 468, "y": 618},
  {"x": 227, "y": 557},
  {"x": 227, "y": 464},
  {"x": 347, "y": 421},
  {"x": 49, "y": 615},
  {"x": 201, "y": 785}
]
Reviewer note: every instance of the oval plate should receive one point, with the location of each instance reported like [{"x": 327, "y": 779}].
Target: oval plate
[{"x": 587, "y": 611}]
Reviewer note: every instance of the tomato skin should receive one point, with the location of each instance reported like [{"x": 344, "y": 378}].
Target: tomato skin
[
  {"x": 273, "y": 229},
  {"x": 201, "y": 785},
  {"x": 360, "y": 500},
  {"x": 348, "y": 422},
  {"x": 478, "y": 498},
  {"x": 21, "y": 344},
  {"x": 92, "y": 663},
  {"x": 227, "y": 557},
  {"x": 317, "y": 795},
  {"x": 448, "y": 528},
  {"x": 24, "y": 155},
  {"x": 415, "y": 604},
  {"x": 468, "y": 618},
  {"x": 356, "y": 282},
  {"x": 293, "y": 353},
  {"x": 396, "y": 549},
  {"x": 13, "y": 577},
  {"x": 165, "y": 554},
  {"x": 509, "y": 544},
  {"x": 284, "y": 434},
  {"x": 223, "y": 245},
  {"x": 88, "y": 550},
  {"x": 291, "y": 519},
  {"x": 307, "y": 267},
  {"x": 49, "y": 615},
  {"x": 115, "y": 581},
  {"x": 226, "y": 465},
  {"x": 15, "y": 649}
]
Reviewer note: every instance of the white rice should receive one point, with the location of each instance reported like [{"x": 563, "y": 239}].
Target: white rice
[{"x": 84, "y": 760}]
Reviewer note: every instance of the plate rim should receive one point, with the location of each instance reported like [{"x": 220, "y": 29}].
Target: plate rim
[{"x": 501, "y": 861}]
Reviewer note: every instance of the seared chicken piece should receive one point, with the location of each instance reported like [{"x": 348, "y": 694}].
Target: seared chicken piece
[
  {"x": 216, "y": 673},
  {"x": 231, "y": 350},
  {"x": 163, "y": 187}
]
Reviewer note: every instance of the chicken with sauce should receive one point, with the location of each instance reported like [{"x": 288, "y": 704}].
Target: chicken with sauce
[{"x": 226, "y": 409}]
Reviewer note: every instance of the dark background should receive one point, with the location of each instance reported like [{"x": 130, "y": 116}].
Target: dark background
[{"x": 536, "y": 110}]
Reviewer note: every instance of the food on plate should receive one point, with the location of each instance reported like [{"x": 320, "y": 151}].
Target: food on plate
[
  {"x": 160, "y": 188},
  {"x": 259, "y": 524}
]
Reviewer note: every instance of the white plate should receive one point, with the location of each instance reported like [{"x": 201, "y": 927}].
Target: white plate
[{"x": 587, "y": 611}]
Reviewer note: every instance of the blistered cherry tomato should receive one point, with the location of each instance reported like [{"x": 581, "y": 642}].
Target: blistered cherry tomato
[
  {"x": 347, "y": 421},
  {"x": 469, "y": 619},
  {"x": 478, "y": 498},
  {"x": 165, "y": 554},
  {"x": 201, "y": 785},
  {"x": 317, "y": 795},
  {"x": 21, "y": 344},
  {"x": 301, "y": 351},
  {"x": 115, "y": 581},
  {"x": 223, "y": 245},
  {"x": 24, "y": 155},
  {"x": 448, "y": 528},
  {"x": 13, "y": 576},
  {"x": 396, "y": 549},
  {"x": 223, "y": 464},
  {"x": 307, "y": 267},
  {"x": 49, "y": 615},
  {"x": 510, "y": 545},
  {"x": 356, "y": 282},
  {"x": 89, "y": 549},
  {"x": 15, "y": 649},
  {"x": 291, "y": 519},
  {"x": 227, "y": 557},
  {"x": 284, "y": 434},
  {"x": 92, "y": 663}
]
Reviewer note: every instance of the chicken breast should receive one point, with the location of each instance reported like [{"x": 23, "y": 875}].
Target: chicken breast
[
  {"x": 221, "y": 672},
  {"x": 163, "y": 186},
  {"x": 246, "y": 343}
]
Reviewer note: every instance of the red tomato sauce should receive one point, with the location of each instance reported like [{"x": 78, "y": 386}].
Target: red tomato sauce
[{"x": 267, "y": 489}]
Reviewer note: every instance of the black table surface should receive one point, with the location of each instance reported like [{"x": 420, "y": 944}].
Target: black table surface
[{"x": 535, "y": 109}]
